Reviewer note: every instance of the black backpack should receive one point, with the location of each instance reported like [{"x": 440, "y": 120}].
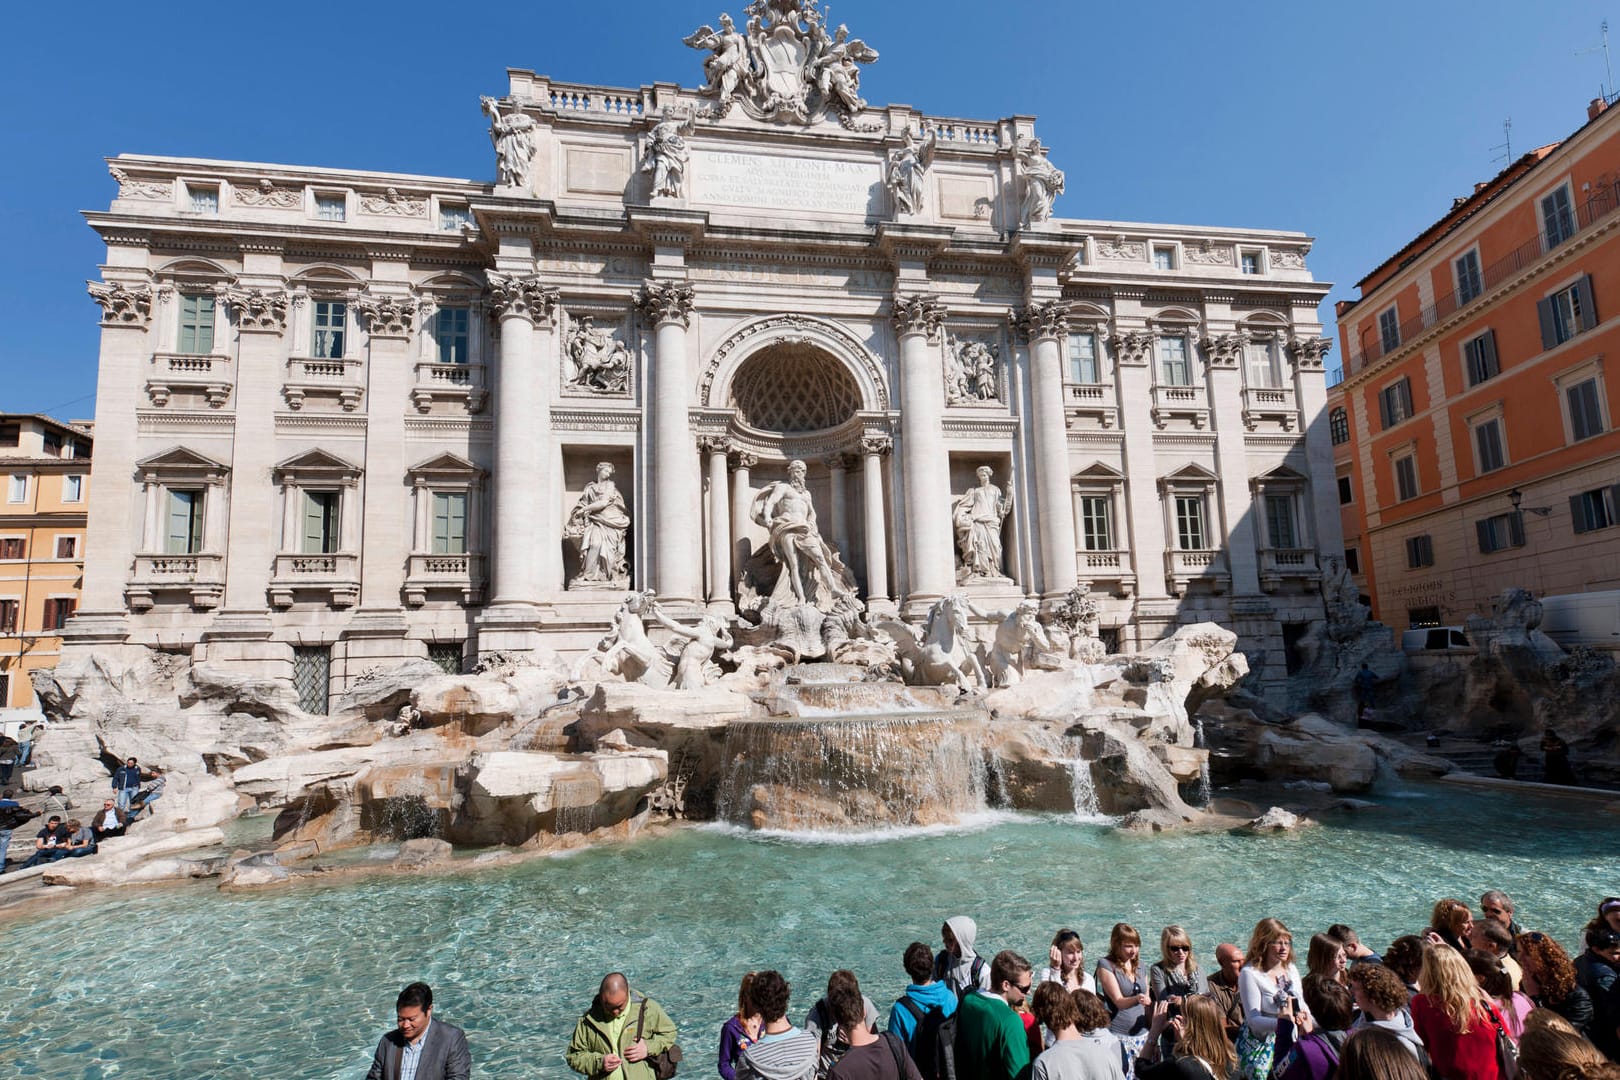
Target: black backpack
[
  {"x": 933, "y": 1042},
  {"x": 943, "y": 966}
]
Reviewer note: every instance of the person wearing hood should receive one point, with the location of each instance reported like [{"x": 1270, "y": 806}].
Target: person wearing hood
[
  {"x": 618, "y": 1033},
  {"x": 1309, "y": 1045},
  {"x": 782, "y": 1051},
  {"x": 1381, "y": 996},
  {"x": 957, "y": 965},
  {"x": 822, "y": 1022},
  {"x": 923, "y": 995}
]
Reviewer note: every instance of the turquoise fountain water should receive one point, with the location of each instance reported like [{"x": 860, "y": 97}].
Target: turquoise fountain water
[{"x": 298, "y": 983}]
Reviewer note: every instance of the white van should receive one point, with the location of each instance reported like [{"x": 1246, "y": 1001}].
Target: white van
[
  {"x": 1435, "y": 637},
  {"x": 1590, "y": 618}
]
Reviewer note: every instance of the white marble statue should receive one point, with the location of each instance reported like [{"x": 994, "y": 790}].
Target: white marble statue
[
  {"x": 1043, "y": 182},
  {"x": 943, "y": 655},
  {"x": 513, "y": 136},
  {"x": 971, "y": 372},
  {"x": 597, "y": 526},
  {"x": 836, "y": 73},
  {"x": 667, "y": 156},
  {"x": 978, "y": 515},
  {"x": 811, "y": 571},
  {"x": 1019, "y": 641},
  {"x": 729, "y": 60},
  {"x": 625, "y": 652},
  {"x": 600, "y": 363},
  {"x": 785, "y": 65},
  {"x": 907, "y": 172},
  {"x": 694, "y": 661}
]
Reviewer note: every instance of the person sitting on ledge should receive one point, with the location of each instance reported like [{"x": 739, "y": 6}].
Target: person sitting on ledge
[
  {"x": 109, "y": 821},
  {"x": 81, "y": 839},
  {"x": 50, "y": 845}
]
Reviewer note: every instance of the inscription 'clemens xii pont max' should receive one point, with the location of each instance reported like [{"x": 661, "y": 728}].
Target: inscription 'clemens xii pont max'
[{"x": 778, "y": 182}]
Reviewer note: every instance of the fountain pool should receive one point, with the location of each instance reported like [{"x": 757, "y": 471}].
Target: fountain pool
[{"x": 298, "y": 983}]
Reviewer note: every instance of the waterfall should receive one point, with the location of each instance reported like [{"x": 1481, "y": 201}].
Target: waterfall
[
  {"x": 1204, "y": 794},
  {"x": 1081, "y": 782}
]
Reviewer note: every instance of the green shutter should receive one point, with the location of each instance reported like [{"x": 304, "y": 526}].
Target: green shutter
[
  {"x": 449, "y": 523},
  {"x": 320, "y": 522},
  {"x": 184, "y": 536}
]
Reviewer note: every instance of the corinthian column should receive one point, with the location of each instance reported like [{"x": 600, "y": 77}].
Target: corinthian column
[
  {"x": 522, "y": 422},
  {"x": 923, "y": 460},
  {"x": 1048, "y": 328},
  {"x": 677, "y": 567},
  {"x": 873, "y": 450},
  {"x": 716, "y": 446},
  {"x": 838, "y": 468}
]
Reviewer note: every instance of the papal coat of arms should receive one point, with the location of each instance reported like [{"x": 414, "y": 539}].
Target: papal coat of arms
[{"x": 784, "y": 65}]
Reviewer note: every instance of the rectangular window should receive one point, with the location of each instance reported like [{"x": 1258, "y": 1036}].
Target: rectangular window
[
  {"x": 321, "y": 522},
  {"x": 451, "y": 332},
  {"x": 331, "y": 208},
  {"x": 1264, "y": 371},
  {"x": 1395, "y": 401},
  {"x": 72, "y": 489},
  {"x": 1389, "y": 329},
  {"x": 58, "y": 610},
  {"x": 1488, "y": 444},
  {"x": 1164, "y": 258},
  {"x": 1557, "y": 217},
  {"x": 1339, "y": 426},
  {"x": 10, "y": 434},
  {"x": 1280, "y": 521},
  {"x": 184, "y": 535},
  {"x": 17, "y": 490},
  {"x": 1470, "y": 283},
  {"x": 1346, "y": 491},
  {"x": 51, "y": 444},
  {"x": 331, "y": 319},
  {"x": 8, "y": 616},
  {"x": 1083, "y": 366},
  {"x": 452, "y": 218},
  {"x": 1419, "y": 552},
  {"x": 1479, "y": 357},
  {"x": 196, "y": 323},
  {"x": 1566, "y": 313},
  {"x": 1595, "y": 509},
  {"x": 1175, "y": 369},
  {"x": 1097, "y": 522},
  {"x": 67, "y": 547},
  {"x": 1585, "y": 409},
  {"x": 447, "y": 656},
  {"x": 1249, "y": 262},
  {"x": 449, "y": 523},
  {"x": 1190, "y": 532},
  {"x": 204, "y": 198},
  {"x": 12, "y": 547},
  {"x": 1352, "y": 560},
  {"x": 1499, "y": 532},
  {"x": 1406, "y": 477}
]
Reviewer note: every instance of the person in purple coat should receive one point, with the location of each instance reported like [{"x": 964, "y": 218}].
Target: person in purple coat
[
  {"x": 1308, "y": 1046},
  {"x": 740, "y": 1030}
]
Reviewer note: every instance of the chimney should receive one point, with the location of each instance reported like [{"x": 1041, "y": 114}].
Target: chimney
[{"x": 1595, "y": 108}]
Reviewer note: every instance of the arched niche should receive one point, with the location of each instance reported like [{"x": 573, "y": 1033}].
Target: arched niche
[{"x": 813, "y": 337}]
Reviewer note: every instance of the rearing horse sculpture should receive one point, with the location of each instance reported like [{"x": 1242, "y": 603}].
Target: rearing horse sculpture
[{"x": 945, "y": 655}]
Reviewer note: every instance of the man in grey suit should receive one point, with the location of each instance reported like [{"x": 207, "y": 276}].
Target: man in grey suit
[{"x": 420, "y": 1048}]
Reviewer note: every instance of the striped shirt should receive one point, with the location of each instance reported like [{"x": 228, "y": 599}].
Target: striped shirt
[
  {"x": 411, "y": 1056},
  {"x": 789, "y": 1055}
]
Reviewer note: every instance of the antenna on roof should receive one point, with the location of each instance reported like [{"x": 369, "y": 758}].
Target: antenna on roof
[
  {"x": 1506, "y": 145},
  {"x": 1608, "y": 72}
]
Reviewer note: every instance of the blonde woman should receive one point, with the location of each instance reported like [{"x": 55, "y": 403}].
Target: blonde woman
[
  {"x": 1451, "y": 923},
  {"x": 1176, "y": 975},
  {"x": 1199, "y": 1037},
  {"x": 1548, "y": 1053},
  {"x": 1123, "y": 988},
  {"x": 1269, "y": 980},
  {"x": 1455, "y": 1018}
]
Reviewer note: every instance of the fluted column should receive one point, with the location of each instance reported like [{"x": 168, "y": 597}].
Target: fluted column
[
  {"x": 522, "y": 421},
  {"x": 873, "y": 450},
  {"x": 1048, "y": 328},
  {"x": 261, "y": 317},
  {"x": 719, "y": 548},
  {"x": 742, "y": 500},
  {"x": 838, "y": 468},
  {"x": 677, "y": 566},
  {"x": 924, "y": 463},
  {"x": 390, "y": 319}
]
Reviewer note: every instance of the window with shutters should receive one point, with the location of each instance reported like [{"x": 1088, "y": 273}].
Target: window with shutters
[
  {"x": 72, "y": 489},
  {"x": 1339, "y": 426},
  {"x": 51, "y": 444},
  {"x": 8, "y": 616},
  {"x": 196, "y": 324},
  {"x": 1470, "y": 283},
  {"x": 1346, "y": 491},
  {"x": 1164, "y": 257},
  {"x": 1566, "y": 313},
  {"x": 449, "y": 523},
  {"x": 1249, "y": 262},
  {"x": 1557, "y": 217},
  {"x": 1264, "y": 364},
  {"x": 331, "y": 321},
  {"x": 1175, "y": 366},
  {"x": 452, "y": 216},
  {"x": 321, "y": 522},
  {"x": 1479, "y": 358},
  {"x": 1097, "y": 522},
  {"x": 17, "y": 489},
  {"x": 1585, "y": 404},
  {"x": 1500, "y": 532},
  {"x": 67, "y": 547},
  {"x": 58, "y": 610},
  {"x": 452, "y": 334},
  {"x": 1083, "y": 365},
  {"x": 1489, "y": 451},
  {"x": 1595, "y": 509},
  {"x": 1395, "y": 402},
  {"x": 184, "y": 534},
  {"x": 1191, "y": 533},
  {"x": 331, "y": 207},
  {"x": 1406, "y": 477},
  {"x": 1280, "y": 526},
  {"x": 12, "y": 547},
  {"x": 1419, "y": 551},
  {"x": 203, "y": 198},
  {"x": 1389, "y": 329},
  {"x": 10, "y": 434}
]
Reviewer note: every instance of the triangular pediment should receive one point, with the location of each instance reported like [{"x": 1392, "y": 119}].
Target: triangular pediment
[
  {"x": 181, "y": 457},
  {"x": 1282, "y": 474},
  {"x": 1192, "y": 471},
  {"x": 317, "y": 461},
  {"x": 1099, "y": 471},
  {"x": 445, "y": 464}
]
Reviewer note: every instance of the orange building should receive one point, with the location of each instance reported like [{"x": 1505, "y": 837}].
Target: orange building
[
  {"x": 1474, "y": 431},
  {"x": 45, "y": 467}
]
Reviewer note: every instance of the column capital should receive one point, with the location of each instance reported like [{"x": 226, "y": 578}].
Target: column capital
[
  {"x": 1225, "y": 350},
  {"x": 667, "y": 301},
  {"x": 918, "y": 314},
  {"x": 742, "y": 459},
  {"x": 258, "y": 310},
  {"x": 387, "y": 316},
  {"x": 714, "y": 444},
  {"x": 1134, "y": 348},
  {"x": 1308, "y": 352},
  {"x": 838, "y": 461},
  {"x": 521, "y": 297},
  {"x": 877, "y": 444},
  {"x": 1037, "y": 321},
  {"x": 122, "y": 305}
]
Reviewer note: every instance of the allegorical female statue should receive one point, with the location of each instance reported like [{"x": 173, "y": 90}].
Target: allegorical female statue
[
  {"x": 597, "y": 525},
  {"x": 978, "y": 515}
]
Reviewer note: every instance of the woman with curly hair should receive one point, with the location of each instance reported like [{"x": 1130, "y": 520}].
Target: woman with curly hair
[
  {"x": 1451, "y": 923},
  {"x": 1546, "y": 1053},
  {"x": 1405, "y": 958},
  {"x": 1455, "y": 1019},
  {"x": 1268, "y": 981},
  {"x": 1549, "y": 979}
]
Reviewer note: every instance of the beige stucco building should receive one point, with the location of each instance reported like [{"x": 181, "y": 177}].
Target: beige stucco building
[{"x": 346, "y": 417}]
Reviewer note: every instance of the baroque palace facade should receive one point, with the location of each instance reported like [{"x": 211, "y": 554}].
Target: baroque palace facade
[{"x": 349, "y": 417}]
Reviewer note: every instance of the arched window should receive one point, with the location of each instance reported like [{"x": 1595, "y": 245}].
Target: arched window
[{"x": 1339, "y": 425}]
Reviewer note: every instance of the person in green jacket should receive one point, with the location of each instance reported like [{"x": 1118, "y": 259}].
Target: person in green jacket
[
  {"x": 990, "y": 1039},
  {"x": 605, "y": 1045}
]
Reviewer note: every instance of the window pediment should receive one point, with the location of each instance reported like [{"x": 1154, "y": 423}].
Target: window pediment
[
  {"x": 445, "y": 468},
  {"x": 180, "y": 464},
  {"x": 316, "y": 466}
]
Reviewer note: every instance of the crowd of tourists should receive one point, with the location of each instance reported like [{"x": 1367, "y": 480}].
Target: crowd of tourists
[
  {"x": 1465, "y": 999},
  {"x": 66, "y": 835}
]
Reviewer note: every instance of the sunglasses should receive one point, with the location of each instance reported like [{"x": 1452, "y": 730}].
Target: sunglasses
[{"x": 1181, "y": 948}]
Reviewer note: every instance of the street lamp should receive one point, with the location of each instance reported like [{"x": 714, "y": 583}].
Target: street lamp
[{"x": 1516, "y": 497}]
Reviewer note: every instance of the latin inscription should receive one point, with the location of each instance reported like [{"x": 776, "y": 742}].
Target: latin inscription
[{"x": 774, "y": 182}]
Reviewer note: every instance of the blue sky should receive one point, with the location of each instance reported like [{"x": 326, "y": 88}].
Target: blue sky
[{"x": 1355, "y": 123}]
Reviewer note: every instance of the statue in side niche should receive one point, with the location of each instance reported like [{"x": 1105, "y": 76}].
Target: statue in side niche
[
  {"x": 597, "y": 525},
  {"x": 978, "y": 516},
  {"x": 667, "y": 156}
]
